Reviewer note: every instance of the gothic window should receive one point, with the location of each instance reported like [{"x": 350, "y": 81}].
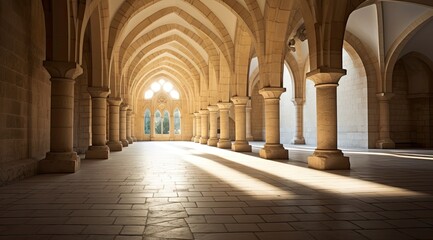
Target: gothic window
[
  {"x": 147, "y": 121},
  {"x": 158, "y": 123},
  {"x": 176, "y": 121},
  {"x": 166, "y": 123}
]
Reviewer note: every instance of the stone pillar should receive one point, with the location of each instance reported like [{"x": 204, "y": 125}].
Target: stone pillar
[
  {"x": 241, "y": 143},
  {"x": 224, "y": 141},
  {"x": 204, "y": 115},
  {"x": 99, "y": 149},
  {"x": 327, "y": 156},
  {"x": 133, "y": 127},
  {"x": 197, "y": 127},
  {"x": 299, "y": 123},
  {"x": 129, "y": 126},
  {"x": 193, "y": 127},
  {"x": 61, "y": 157},
  {"x": 114, "y": 142},
  {"x": 272, "y": 149},
  {"x": 248, "y": 121},
  {"x": 122, "y": 131},
  {"x": 213, "y": 124},
  {"x": 384, "y": 137}
]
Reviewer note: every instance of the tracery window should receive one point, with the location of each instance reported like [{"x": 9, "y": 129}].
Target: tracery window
[
  {"x": 176, "y": 121},
  {"x": 158, "y": 123},
  {"x": 147, "y": 121}
]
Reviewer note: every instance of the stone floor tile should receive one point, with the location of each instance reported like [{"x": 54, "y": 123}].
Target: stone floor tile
[
  {"x": 419, "y": 233},
  {"x": 384, "y": 234},
  {"x": 302, "y": 226},
  {"x": 337, "y": 235},
  {"x": 130, "y": 221},
  {"x": 207, "y": 227},
  {"x": 242, "y": 227},
  {"x": 248, "y": 218},
  {"x": 219, "y": 219},
  {"x": 103, "y": 229},
  {"x": 132, "y": 230},
  {"x": 225, "y": 236},
  {"x": 284, "y": 236},
  {"x": 275, "y": 227},
  {"x": 373, "y": 224},
  {"x": 272, "y": 218},
  {"x": 61, "y": 229},
  {"x": 228, "y": 211}
]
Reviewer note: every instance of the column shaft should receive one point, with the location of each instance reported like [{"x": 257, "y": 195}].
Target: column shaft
[
  {"x": 133, "y": 127},
  {"x": 224, "y": 141},
  {"x": 197, "y": 127},
  {"x": 248, "y": 121},
  {"x": 384, "y": 130},
  {"x": 241, "y": 143},
  {"x": 213, "y": 125},
  {"x": 193, "y": 127},
  {"x": 129, "y": 126},
  {"x": 114, "y": 138},
  {"x": 299, "y": 121},
  {"x": 122, "y": 131},
  {"x": 204, "y": 115}
]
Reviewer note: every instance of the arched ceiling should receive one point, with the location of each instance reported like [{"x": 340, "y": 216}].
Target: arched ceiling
[{"x": 181, "y": 40}]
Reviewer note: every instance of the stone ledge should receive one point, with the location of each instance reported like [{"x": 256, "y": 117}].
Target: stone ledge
[{"x": 17, "y": 170}]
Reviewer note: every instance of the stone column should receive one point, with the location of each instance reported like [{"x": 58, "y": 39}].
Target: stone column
[
  {"x": 272, "y": 149},
  {"x": 122, "y": 131},
  {"x": 61, "y": 157},
  {"x": 114, "y": 142},
  {"x": 213, "y": 124},
  {"x": 197, "y": 127},
  {"x": 129, "y": 126},
  {"x": 204, "y": 114},
  {"x": 224, "y": 141},
  {"x": 99, "y": 149},
  {"x": 241, "y": 143},
  {"x": 299, "y": 123},
  {"x": 193, "y": 127},
  {"x": 327, "y": 156},
  {"x": 248, "y": 121},
  {"x": 384, "y": 137},
  {"x": 133, "y": 127}
]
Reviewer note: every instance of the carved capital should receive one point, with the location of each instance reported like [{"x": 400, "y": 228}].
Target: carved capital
[
  {"x": 213, "y": 108},
  {"x": 68, "y": 70},
  {"x": 114, "y": 101},
  {"x": 271, "y": 92},
  {"x": 124, "y": 106},
  {"x": 298, "y": 101},
  {"x": 197, "y": 114},
  {"x": 204, "y": 112},
  {"x": 323, "y": 77},
  {"x": 224, "y": 105},
  {"x": 240, "y": 100},
  {"x": 98, "y": 92}
]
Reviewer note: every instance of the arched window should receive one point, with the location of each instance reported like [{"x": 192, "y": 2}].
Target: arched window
[
  {"x": 158, "y": 123},
  {"x": 176, "y": 121},
  {"x": 166, "y": 123},
  {"x": 147, "y": 121}
]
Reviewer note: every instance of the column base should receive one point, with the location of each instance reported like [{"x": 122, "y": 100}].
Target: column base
[
  {"x": 115, "y": 146},
  {"x": 98, "y": 152},
  {"x": 385, "y": 144},
  {"x": 65, "y": 162},
  {"x": 212, "y": 142},
  {"x": 298, "y": 141},
  {"x": 130, "y": 140},
  {"x": 250, "y": 138},
  {"x": 241, "y": 146},
  {"x": 134, "y": 138},
  {"x": 124, "y": 142},
  {"x": 197, "y": 139},
  {"x": 274, "y": 151},
  {"x": 203, "y": 140},
  {"x": 192, "y": 139},
  {"x": 224, "y": 143},
  {"x": 328, "y": 160}
]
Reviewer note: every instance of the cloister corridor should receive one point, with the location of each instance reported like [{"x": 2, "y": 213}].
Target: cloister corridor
[{"x": 185, "y": 190}]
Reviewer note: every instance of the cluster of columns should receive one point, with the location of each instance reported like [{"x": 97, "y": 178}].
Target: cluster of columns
[{"x": 62, "y": 157}]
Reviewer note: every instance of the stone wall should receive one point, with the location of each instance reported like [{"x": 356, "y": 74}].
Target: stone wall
[
  {"x": 257, "y": 115},
  {"x": 24, "y": 89}
]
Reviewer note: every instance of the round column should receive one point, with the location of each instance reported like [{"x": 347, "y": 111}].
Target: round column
[
  {"x": 241, "y": 143},
  {"x": 133, "y": 127},
  {"x": 61, "y": 157},
  {"x": 248, "y": 123},
  {"x": 129, "y": 126},
  {"x": 99, "y": 149},
  {"x": 327, "y": 156},
  {"x": 213, "y": 125},
  {"x": 299, "y": 116},
  {"x": 204, "y": 115},
  {"x": 272, "y": 149},
  {"x": 122, "y": 131},
  {"x": 384, "y": 136},
  {"x": 193, "y": 127},
  {"x": 114, "y": 142},
  {"x": 197, "y": 127},
  {"x": 224, "y": 141}
]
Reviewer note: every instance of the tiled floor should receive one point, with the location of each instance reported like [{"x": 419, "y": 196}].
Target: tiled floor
[{"x": 183, "y": 190}]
